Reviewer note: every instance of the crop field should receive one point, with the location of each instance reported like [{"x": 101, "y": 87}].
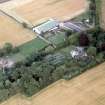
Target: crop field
[
  {"x": 13, "y": 32},
  {"x": 86, "y": 89},
  {"x": 39, "y": 10},
  {"x": 103, "y": 13}
]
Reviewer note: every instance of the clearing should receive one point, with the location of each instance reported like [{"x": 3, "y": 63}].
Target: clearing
[
  {"x": 86, "y": 89},
  {"x": 13, "y": 32}
]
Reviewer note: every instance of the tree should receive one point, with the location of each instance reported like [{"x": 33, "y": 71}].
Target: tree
[
  {"x": 92, "y": 51},
  {"x": 83, "y": 39},
  {"x": 4, "y": 94},
  {"x": 73, "y": 39},
  {"x": 100, "y": 58},
  {"x": 68, "y": 33},
  {"x": 58, "y": 74},
  {"x": 8, "y": 47}
]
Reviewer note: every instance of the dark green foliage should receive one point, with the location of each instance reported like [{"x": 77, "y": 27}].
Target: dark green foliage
[
  {"x": 92, "y": 51},
  {"x": 74, "y": 39},
  {"x": 83, "y": 39},
  {"x": 41, "y": 69},
  {"x": 8, "y": 49}
]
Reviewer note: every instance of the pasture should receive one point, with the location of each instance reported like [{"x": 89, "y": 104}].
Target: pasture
[
  {"x": 37, "y": 10},
  {"x": 13, "y": 32},
  {"x": 28, "y": 48},
  {"x": 86, "y": 89}
]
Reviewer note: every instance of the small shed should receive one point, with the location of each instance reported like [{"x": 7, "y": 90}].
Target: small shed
[{"x": 47, "y": 26}]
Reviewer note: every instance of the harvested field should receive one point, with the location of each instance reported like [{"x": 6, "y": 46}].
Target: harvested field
[
  {"x": 13, "y": 32},
  {"x": 39, "y": 10},
  {"x": 86, "y": 89},
  {"x": 103, "y": 14}
]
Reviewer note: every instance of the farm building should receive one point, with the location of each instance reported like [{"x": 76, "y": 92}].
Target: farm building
[
  {"x": 73, "y": 26},
  {"x": 47, "y": 26}
]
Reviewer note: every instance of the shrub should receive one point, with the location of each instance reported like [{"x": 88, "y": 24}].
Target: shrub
[
  {"x": 100, "y": 58},
  {"x": 8, "y": 47},
  {"x": 92, "y": 51},
  {"x": 74, "y": 39}
]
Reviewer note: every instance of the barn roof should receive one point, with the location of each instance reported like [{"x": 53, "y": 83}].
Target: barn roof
[{"x": 50, "y": 24}]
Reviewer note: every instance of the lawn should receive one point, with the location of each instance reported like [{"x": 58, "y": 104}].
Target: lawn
[
  {"x": 28, "y": 48},
  {"x": 57, "y": 39}
]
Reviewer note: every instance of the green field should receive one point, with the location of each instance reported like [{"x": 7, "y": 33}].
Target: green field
[
  {"x": 58, "y": 38},
  {"x": 28, "y": 48}
]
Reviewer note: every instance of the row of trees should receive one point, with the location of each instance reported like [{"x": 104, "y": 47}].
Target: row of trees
[
  {"x": 94, "y": 12},
  {"x": 7, "y": 49},
  {"x": 35, "y": 72}
]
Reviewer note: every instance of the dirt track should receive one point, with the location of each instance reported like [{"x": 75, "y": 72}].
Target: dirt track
[{"x": 86, "y": 89}]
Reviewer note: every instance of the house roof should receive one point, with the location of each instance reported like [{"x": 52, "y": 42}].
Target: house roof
[{"x": 50, "y": 24}]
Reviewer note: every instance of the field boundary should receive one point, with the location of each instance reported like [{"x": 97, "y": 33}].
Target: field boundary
[
  {"x": 48, "y": 87},
  {"x": 16, "y": 17},
  {"x": 60, "y": 82}
]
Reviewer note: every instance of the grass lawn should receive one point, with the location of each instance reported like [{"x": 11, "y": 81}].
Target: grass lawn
[
  {"x": 67, "y": 49},
  {"x": 28, "y": 48},
  {"x": 57, "y": 39}
]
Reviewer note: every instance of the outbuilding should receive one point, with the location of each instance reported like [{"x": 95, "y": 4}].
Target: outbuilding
[{"x": 47, "y": 26}]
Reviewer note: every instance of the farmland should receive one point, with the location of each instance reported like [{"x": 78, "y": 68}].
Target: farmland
[
  {"x": 13, "y": 32},
  {"x": 34, "y": 13},
  {"x": 50, "y": 9},
  {"x": 86, "y": 89},
  {"x": 30, "y": 10}
]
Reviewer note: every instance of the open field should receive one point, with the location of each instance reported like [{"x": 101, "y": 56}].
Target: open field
[
  {"x": 35, "y": 11},
  {"x": 103, "y": 13},
  {"x": 86, "y": 89},
  {"x": 28, "y": 48},
  {"x": 13, "y": 32}
]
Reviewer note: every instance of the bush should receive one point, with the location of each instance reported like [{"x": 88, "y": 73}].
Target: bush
[
  {"x": 74, "y": 39},
  {"x": 92, "y": 51},
  {"x": 100, "y": 58},
  {"x": 15, "y": 50},
  {"x": 8, "y": 47},
  {"x": 24, "y": 25}
]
